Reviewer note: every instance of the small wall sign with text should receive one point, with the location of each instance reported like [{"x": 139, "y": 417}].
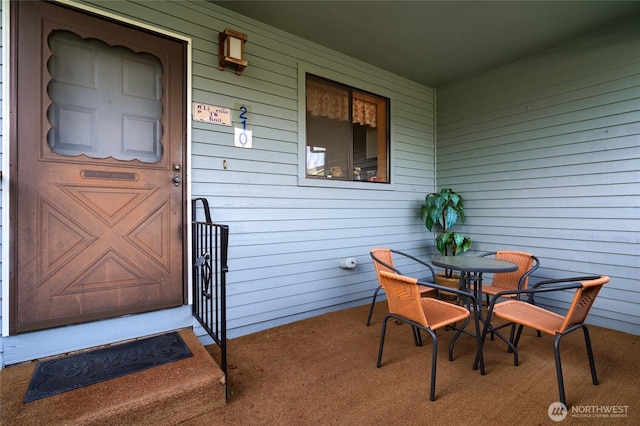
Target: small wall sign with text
[{"x": 212, "y": 114}]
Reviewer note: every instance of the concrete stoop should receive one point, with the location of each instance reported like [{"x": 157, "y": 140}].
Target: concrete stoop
[{"x": 167, "y": 394}]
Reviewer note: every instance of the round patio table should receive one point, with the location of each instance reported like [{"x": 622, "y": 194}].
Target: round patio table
[
  {"x": 472, "y": 264},
  {"x": 471, "y": 269}
]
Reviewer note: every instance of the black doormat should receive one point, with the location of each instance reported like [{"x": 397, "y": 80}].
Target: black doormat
[{"x": 75, "y": 371}]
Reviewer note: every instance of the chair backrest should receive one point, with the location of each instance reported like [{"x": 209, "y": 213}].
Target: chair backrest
[
  {"x": 511, "y": 280},
  {"x": 383, "y": 260},
  {"x": 582, "y": 301},
  {"x": 403, "y": 296}
]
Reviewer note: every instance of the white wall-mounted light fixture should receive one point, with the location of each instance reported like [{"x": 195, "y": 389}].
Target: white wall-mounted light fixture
[{"x": 231, "y": 50}]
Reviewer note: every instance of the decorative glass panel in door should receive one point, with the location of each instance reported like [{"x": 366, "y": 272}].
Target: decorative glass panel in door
[{"x": 114, "y": 113}]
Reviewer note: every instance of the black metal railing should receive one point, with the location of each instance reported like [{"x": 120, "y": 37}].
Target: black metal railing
[{"x": 209, "y": 253}]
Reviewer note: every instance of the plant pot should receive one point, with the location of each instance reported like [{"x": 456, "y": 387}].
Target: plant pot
[{"x": 451, "y": 282}]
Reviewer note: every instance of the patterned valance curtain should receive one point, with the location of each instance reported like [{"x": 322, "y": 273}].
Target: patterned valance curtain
[{"x": 332, "y": 102}]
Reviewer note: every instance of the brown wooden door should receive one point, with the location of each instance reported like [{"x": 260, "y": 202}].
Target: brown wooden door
[{"x": 100, "y": 128}]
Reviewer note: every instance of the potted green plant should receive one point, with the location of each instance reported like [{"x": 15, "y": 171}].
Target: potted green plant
[{"x": 444, "y": 209}]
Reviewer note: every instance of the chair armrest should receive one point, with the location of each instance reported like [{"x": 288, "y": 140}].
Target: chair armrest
[
  {"x": 415, "y": 259},
  {"x": 536, "y": 265},
  {"x": 545, "y": 286},
  {"x": 533, "y": 291},
  {"x": 448, "y": 290},
  {"x": 564, "y": 280},
  {"x": 489, "y": 253},
  {"x": 375, "y": 259}
]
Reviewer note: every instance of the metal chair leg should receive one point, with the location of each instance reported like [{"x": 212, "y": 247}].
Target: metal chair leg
[
  {"x": 592, "y": 364},
  {"x": 518, "y": 334},
  {"x": 556, "y": 350},
  {"x": 434, "y": 359},
  {"x": 417, "y": 337},
  {"x": 373, "y": 303},
  {"x": 384, "y": 329}
]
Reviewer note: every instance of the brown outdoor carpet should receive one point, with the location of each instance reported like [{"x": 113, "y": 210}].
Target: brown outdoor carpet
[{"x": 322, "y": 371}]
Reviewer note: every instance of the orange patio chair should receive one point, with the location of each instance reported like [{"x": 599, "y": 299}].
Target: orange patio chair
[
  {"x": 526, "y": 313},
  {"x": 422, "y": 313},
  {"x": 516, "y": 280},
  {"x": 383, "y": 261}
]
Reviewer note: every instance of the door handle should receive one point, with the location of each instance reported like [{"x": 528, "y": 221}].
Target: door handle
[{"x": 177, "y": 179}]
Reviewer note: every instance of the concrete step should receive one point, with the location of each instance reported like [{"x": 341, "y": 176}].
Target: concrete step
[{"x": 166, "y": 394}]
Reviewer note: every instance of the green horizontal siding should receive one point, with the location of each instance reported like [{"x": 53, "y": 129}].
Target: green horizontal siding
[{"x": 546, "y": 152}]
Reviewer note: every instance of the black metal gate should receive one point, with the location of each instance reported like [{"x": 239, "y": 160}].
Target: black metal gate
[{"x": 209, "y": 253}]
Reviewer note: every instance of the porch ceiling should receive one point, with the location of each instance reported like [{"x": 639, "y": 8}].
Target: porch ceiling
[{"x": 435, "y": 42}]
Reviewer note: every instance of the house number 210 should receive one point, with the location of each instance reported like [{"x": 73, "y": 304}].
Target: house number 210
[{"x": 243, "y": 137}]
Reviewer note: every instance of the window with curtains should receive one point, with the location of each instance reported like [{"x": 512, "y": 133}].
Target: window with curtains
[{"x": 347, "y": 133}]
